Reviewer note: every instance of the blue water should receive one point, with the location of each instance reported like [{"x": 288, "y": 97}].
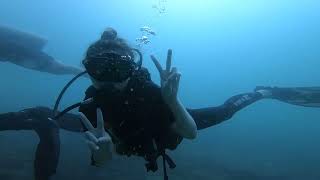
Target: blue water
[{"x": 221, "y": 47}]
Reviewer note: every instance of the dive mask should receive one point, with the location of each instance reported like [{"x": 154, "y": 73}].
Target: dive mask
[{"x": 110, "y": 66}]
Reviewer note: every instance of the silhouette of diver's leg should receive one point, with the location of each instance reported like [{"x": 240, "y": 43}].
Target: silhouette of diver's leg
[{"x": 207, "y": 117}]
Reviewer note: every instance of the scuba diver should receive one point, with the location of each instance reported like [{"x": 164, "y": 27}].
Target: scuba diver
[
  {"x": 125, "y": 112},
  {"x": 24, "y": 49}
]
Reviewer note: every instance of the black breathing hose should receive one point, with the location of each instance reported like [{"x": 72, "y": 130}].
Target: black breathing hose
[{"x": 56, "y": 106}]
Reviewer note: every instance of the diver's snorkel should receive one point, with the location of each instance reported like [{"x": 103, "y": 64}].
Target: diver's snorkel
[{"x": 57, "y": 115}]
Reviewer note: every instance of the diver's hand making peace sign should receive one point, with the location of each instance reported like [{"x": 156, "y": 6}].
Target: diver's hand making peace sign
[
  {"x": 98, "y": 139},
  {"x": 184, "y": 124},
  {"x": 170, "y": 78}
]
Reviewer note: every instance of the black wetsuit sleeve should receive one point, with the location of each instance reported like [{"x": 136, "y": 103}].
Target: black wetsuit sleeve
[
  {"x": 37, "y": 117},
  {"x": 15, "y": 121},
  {"x": 210, "y": 116}
]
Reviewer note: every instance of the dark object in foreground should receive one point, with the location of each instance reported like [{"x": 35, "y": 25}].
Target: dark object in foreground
[{"x": 48, "y": 149}]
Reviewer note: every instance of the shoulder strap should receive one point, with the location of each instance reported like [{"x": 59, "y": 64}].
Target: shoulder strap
[{"x": 166, "y": 159}]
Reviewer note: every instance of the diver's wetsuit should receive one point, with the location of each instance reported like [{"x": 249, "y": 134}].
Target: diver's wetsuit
[
  {"x": 134, "y": 115},
  {"x": 138, "y": 119}
]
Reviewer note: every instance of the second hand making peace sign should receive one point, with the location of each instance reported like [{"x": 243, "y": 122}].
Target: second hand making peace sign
[
  {"x": 184, "y": 124},
  {"x": 170, "y": 78},
  {"x": 98, "y": 139}
]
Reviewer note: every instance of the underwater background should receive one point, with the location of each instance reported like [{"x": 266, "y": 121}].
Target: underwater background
[{"x": 221, "y": 47}]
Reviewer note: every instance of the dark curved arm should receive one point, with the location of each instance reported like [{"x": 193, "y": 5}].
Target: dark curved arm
[{"x": 48, "y": 149}]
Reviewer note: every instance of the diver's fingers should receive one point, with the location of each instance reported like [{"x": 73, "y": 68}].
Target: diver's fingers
[
  {"x": 177, "y": 83},
  {"x": 103, "y": 140},
  {"x": 173, "y": 81},
  {"x": 91, "y": 137},
  {"x": 171, "y": 76},
  {"x": 167, "y": 81},
  {"x": 169, "y": 61},
  {"x": 86, "y": 122},
  {"x": 174, "y": 70},
  {"x": 92, "y": 146},
  {"x": 106, "y": 134},
  {"x": 157, "y": 64},
  {"x": 164, "y": 84},
  {"x": 100, "y": 122}
]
